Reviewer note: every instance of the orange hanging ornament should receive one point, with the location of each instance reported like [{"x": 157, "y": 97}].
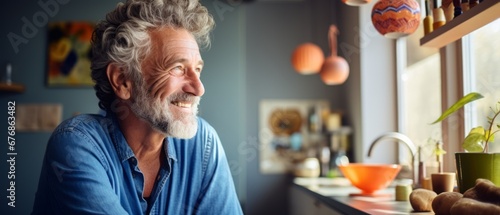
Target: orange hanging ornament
[
  {"x": 307, "y": 58},
  {"x": 335, "y": 70}
]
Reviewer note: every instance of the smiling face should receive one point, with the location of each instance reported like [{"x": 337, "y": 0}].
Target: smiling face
[{"x": 168, "y": 95}]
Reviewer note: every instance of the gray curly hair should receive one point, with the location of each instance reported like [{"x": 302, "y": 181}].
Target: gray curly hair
[{"x": 122, "y": 38}]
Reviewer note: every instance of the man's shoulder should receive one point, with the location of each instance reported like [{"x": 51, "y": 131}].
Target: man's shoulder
[
  {"x": 208, "y": 136},
  {"x": 204, "y": 127},
  {"x": 83, "y": 122},
  {"x": 82, "y": 135}
]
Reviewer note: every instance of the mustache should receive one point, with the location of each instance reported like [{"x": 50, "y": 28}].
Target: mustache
[{"x": 184, "y": 97}]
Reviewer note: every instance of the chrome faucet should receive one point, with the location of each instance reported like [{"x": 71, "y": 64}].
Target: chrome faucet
[{"x": 407, "y": 142}]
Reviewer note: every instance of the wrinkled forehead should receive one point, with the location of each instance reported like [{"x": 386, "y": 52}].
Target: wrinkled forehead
[
  {"x": 166, "y": 39},
  {"x": 179, "y": 46}
]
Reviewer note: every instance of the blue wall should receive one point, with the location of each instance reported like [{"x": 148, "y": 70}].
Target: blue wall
[
  {"x": 29, "y": 69},
  {"x": 248, "y": 62},
  {"x": 271, "y": 37}
]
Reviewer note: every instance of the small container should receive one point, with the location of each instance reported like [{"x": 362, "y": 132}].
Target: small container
[
  {"x": 427, "y": 183},
  {"x": 428, "y": 22},
  {"x": 464, "y": 5},
  {"x": 473, "y": 3},
  {"x": 439, "y": 19},
  {"x": 443, "y": 182},
  {"x": 448, "y": 11},
  {"x": 309, "y": 168},
  {"x": 403, "y": 192}
]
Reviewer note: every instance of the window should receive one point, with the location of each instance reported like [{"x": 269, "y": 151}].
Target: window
[
  {"x": 482, "y": 74},
  {"x": 469, "y": 64},
  {"x": 419, "y": 93}
]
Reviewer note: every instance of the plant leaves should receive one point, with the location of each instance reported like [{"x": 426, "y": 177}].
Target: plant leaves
[
  {"x": 474, "y": 140},
  {"x": 439, "y": 151},
  {"x": 459, "y": 104}
]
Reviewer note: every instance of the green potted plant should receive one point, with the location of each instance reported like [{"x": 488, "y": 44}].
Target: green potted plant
[{"x": 476, "y": 162}]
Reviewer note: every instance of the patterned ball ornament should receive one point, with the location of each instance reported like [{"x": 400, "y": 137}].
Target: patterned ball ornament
[{"x": 396, "y": 18}]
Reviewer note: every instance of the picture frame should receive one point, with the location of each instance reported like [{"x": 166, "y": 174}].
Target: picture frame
[
  {"x": 69, "y": 53},
  {"x": 281, "y": 123}
]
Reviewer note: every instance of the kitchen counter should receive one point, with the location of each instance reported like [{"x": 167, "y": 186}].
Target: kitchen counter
[{"x": 339, "y": 195}]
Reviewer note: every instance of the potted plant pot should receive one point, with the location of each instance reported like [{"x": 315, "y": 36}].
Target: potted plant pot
[
  {"x": 476, "y": 162},
  {"x": 471, "y": 166}
]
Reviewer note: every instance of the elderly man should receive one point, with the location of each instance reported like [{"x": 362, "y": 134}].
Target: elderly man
[{"x": 150, "y": 153}]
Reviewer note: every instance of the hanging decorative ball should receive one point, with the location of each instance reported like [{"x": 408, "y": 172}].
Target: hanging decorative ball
[
  {"x": 396, "y": 18},
  {"x": 307, "y": 58},
  {"x": 356, "y": 2},
  {"x": 335, "y": 69}
]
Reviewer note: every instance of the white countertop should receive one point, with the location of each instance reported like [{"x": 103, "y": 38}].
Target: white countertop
[{"x": 342, "y": 196}]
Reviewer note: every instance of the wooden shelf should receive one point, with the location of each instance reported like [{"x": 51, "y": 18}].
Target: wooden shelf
[
  {"x": 475, "y": 18},
  {"x": 14, "y": 88}
]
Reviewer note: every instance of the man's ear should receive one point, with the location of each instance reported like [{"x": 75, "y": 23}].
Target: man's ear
[{"x": 120, "y": 84}]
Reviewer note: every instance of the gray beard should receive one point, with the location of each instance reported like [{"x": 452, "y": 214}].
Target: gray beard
[{"x": 159, "y": 116}]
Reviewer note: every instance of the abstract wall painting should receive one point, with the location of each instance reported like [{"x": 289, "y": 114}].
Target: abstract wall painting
[{"x": 69, "y": 54}]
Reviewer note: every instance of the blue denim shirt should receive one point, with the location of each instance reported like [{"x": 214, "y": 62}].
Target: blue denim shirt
[{"x": 90, "y": 169}]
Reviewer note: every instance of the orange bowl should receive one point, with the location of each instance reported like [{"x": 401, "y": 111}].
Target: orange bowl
[{"x": 370, "y": 178}]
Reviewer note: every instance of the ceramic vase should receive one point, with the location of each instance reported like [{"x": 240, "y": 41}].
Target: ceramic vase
[{"x": 396, "y": 18}]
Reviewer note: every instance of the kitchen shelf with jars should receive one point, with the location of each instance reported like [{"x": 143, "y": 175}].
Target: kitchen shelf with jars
[{"x": 468, "y": 21}]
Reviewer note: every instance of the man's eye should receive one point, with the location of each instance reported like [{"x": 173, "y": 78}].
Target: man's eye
[{"x": 178, "y": 70}]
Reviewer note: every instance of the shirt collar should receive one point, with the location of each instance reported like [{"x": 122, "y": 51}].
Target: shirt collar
[{"x": 168, "y": 144}]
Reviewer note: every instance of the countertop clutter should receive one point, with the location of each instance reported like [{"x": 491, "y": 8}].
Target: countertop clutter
[{"x": 342, "y": 198}]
